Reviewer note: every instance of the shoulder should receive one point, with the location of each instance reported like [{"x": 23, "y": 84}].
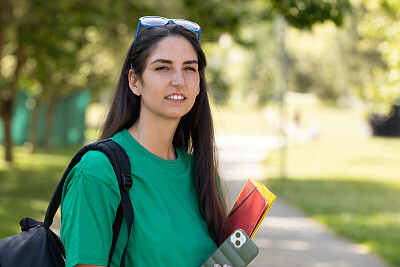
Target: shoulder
[
  {"x": 94, "y": 158},
  {"x": 96, "y": 167}
]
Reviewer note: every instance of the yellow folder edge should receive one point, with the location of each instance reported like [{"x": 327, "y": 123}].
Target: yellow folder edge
[{"x": 269, "y": 196}]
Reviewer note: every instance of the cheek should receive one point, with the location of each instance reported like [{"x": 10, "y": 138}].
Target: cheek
[{"x": 195, "y": 85}]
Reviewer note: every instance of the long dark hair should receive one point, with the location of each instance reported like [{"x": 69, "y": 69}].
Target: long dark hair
[{"x": 195, "y": 132}]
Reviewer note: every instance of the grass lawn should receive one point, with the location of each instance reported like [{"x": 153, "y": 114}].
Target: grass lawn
[
  {"x": 240, "y": 119},
  {"x": 26, "y": 187},
  {"x": 344, "y": 179}
]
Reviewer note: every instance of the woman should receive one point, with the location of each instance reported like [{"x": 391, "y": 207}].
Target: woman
[{"x": 161, "y": 116}]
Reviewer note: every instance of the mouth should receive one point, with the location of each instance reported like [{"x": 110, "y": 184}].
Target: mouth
[{"x": 175, "y": 97}]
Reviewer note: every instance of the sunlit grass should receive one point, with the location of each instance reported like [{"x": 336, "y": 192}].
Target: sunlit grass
[
  {"x": 344, "y": 179},
  {"x": 240, "y": 119},
  {"x": 372, "y": 159},
  {"x": 27, "y": 185}
]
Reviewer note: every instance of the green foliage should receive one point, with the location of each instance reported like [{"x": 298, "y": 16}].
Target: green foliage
[
  {"x": 328, "y": 61},
  {"x": 215, "y": 16},
  {"x": 80, "y": 44},
  {"x": 381, "y": 28},
  {"x": 303, "y": 14},
  {"x": 258, "y": 33}
]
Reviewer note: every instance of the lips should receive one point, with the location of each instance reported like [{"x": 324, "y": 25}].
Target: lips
[{"x": 175, "y": 97}]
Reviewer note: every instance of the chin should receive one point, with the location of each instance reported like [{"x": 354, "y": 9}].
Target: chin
[{"x": 177, "y": 114}]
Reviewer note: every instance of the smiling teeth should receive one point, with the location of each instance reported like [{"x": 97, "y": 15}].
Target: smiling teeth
[{"x": 175, "y": 97}]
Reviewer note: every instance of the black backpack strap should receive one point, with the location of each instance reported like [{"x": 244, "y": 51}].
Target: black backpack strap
[
  {"x": 121, "y": 165},
  {"x": 125, "y": 207}
]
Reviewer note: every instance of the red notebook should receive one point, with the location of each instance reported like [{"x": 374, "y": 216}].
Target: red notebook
[{"x": 250, "y": 208}]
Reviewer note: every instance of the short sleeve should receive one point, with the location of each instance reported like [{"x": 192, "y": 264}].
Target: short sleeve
[{"x": 90, "y": 200}]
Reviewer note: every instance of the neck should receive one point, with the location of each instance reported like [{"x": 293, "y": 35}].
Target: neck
[{"x": 156, "y": 137}]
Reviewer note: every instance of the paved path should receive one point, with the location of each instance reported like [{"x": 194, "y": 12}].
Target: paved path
[{"x": 286, "y": 237}]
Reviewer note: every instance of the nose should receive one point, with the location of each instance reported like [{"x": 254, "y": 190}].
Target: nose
[{"x": 178, "y": 80}]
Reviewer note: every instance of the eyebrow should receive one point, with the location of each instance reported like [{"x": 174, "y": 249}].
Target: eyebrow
[{"x": 167, "y": 61}]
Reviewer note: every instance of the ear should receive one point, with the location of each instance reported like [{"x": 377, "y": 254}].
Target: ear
[{"x": 134, "y": 83}]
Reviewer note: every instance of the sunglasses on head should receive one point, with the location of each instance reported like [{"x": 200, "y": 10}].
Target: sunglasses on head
[{"x": 154, "y": 21}]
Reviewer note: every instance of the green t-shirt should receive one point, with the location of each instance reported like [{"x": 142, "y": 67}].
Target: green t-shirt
[{"x": 167, "y": 230}]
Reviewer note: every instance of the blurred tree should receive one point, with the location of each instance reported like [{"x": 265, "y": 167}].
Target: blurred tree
[
  {"x": 54, "y": 48},
  {"x": 381, "y": 29},
  {"x": 257, "y": 32},
  {"x": 47, "y": 49},
  {"x": 12, "y": 58},
  {"x": 262, "y": 64},
  {"x": 216, "y": 16},
  {"x": 329, "y": 61},
  {"x": 44, "y": 52},
  {"x": 363, "y": 54},
  {"x": 303, "y": 14}
]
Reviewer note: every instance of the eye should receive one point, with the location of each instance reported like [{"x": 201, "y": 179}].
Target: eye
[
  {"x": 161, "y": 68},
  {"x": 190, "y": 68}
]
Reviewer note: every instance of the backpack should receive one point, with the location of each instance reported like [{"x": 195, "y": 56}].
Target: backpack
[{"x": 37, "y": 245}]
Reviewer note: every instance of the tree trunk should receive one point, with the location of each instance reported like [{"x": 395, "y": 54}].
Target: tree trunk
[
  {"x": 7, "y": 98},
  {"x": 6, "y": 117},
  {"x": 6, "y": 107},
  {"x": 49, "y": 123},
  {"x": 4, "y": 102},
  {"x": 34, "y": 127}
]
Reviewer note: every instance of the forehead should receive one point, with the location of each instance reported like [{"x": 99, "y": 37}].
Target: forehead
[{"x": 175, "y": 48}]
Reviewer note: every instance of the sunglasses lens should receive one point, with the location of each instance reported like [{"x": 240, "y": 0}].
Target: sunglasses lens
[
  {"x": 187, "y": 24},
  {"x": 153, "y": 21}
]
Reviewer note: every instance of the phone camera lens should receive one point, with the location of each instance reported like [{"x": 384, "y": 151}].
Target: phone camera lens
[
  {"x": 237, "y": 234},
  {"x": 237, "y": 243}
]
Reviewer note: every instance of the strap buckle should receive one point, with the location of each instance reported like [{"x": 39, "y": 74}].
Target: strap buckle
[{"x": 126, "y": 182}]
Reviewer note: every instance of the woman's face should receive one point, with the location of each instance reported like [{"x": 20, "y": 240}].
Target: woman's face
[{"x": 170, "y": 81}]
